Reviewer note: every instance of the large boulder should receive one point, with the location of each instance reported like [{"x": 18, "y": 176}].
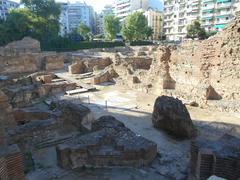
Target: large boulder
[{"x": 171, "y": 115}]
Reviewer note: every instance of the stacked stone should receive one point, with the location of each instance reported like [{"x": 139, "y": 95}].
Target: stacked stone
[
  {"x": 53, "y": 62},
  {"x": 6, "y": 116},
  {"x": 110, "y": 144},
  {"x": 11, "y": 163},
  {"x": 220, "y": 158},
  {"x": 77, "y": 68}
]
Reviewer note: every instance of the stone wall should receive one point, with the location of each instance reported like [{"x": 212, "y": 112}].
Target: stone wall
[
  {"x": 11, "y": 163},
  {"x": 25, "y": 56},
  {"x": 215, "y": 61},
  {"x": 109, "y": 144},
  {"x": 6, "y": 117}
]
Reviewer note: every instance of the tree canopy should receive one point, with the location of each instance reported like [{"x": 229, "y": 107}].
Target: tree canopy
[
  {"x": 111, "y": 26},
  {"x": 83, "y": 30},
  {"x": 44, "y": 8},
  {"x": 195, "y": 30},
  {"x": 38, "y": 22},
  {"x": 135, "y": 27}
]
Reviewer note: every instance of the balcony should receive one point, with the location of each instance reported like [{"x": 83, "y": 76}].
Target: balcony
[
  {"x": 168, "y": 20},
  {"x": 223, "y": 5},
  {"x": 169, "y": 13},
  {"x": 207, "y": 15},
  {"x": 167, "y": 26}
]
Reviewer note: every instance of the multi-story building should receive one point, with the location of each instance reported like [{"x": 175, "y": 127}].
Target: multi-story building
[
  {"x": 74, "y": 14},
  {"x": 177, "y": 15},
  {"x": 125, "y": 7},
  {"x": 155, "y": 22},
  {"x": 212, "y": 14},
  {"x": 108, "y": 9},
  {"x": 215, "y": 14},
  {"x": 5, "y": 6}
]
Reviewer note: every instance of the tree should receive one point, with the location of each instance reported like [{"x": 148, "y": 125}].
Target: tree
[
  {"x": 135, "y": 27},
  {"x": 195, "y": 30},
  {"x": 149, "y": 32},
  {"x": 44, "y": 8},
  {"x": 111, "y": 26},
  {"x": 20, "y": 23},
  {"x": 83, "y": 30},
  {"x": 39, "y": 19}
]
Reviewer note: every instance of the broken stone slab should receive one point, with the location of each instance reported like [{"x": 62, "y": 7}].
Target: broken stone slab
[
  {"x": 171, "y": 115},
  {"x": 109, "y": 144}
]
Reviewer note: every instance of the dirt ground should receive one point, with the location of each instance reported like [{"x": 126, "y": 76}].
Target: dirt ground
[{"x": 134, "y": 109}]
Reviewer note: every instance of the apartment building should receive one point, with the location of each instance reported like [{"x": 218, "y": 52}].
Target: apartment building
[
  {"x": 155, "y": 22},
  {"x": 5, "y": 6},
  {"x": 125, "y": 7},
  {"x": 212, "y": 14},
  {"x": 177, "y": 15},
  {"x": 72, "y": 14},
  {"x": 215, "y": 14}
]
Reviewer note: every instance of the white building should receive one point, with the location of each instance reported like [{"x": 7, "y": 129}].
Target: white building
[
  {"x": 212, "y": 14},
  {"x": 154, "y": 19},
  {"x": 74, "y": 14},
  {"x": 5, "y": 6},
  {"x": 215, "y": 14},
  {"x": 177, "y": 15},
  {"x": 125, "y": 7}
]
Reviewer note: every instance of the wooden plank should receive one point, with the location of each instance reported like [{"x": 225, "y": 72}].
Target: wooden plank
[{"x": 76, "y": 91}]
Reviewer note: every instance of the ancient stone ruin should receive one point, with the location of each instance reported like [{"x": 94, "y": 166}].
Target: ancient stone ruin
[
  {"x": 109, "y": 144},
  {"x": 65, "y": 114}
]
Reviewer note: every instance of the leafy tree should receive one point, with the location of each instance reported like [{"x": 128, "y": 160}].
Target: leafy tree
[
  {"x": 44, "y": 8},
  {"x": 39, "y": 19},
  {"x": 195, "y": 30},
  {"x": 135, "y": 27},
  {"x": 111, "y": 26},
  {"x": 83, "y": 30},
  {"x": 211, "y": 33},
  {"x": 149, "y": 32},
  {"x": 20, "y": 23}
]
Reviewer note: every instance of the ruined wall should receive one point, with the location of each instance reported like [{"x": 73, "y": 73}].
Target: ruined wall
[
  {"x": 196, "y": 65},
  {"x": 25, "y": 56},
  {"x": 11, "y": 163},
  {"x": 6, "y": 116}
]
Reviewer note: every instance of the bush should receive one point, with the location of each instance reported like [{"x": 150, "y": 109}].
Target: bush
[
  {"x": 66, "y": 44},
  {"x": 140, "y": 43}
]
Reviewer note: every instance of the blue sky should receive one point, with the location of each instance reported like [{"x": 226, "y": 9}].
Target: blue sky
[{"x": 98, "y": 5}]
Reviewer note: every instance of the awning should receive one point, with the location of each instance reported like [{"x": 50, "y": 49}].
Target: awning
[
  {"x": 207, "y": 18},
  {"x": 208, "y": 10},
  {"x": 219, "y": 26},
  {"x": 223, "y": 1},
  {"x": 223, "y": 16}
]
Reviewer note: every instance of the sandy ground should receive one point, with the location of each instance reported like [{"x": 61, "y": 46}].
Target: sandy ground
[{"x": 134, "y": 109}]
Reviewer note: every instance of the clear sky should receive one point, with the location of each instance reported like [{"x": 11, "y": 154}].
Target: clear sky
[{"x": 98, "y": 5}]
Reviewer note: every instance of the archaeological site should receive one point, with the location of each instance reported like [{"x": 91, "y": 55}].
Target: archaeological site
[{"x": 133, "y": 112}]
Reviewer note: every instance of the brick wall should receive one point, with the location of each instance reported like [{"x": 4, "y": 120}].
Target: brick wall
[{"x": 11, "y": 164}]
